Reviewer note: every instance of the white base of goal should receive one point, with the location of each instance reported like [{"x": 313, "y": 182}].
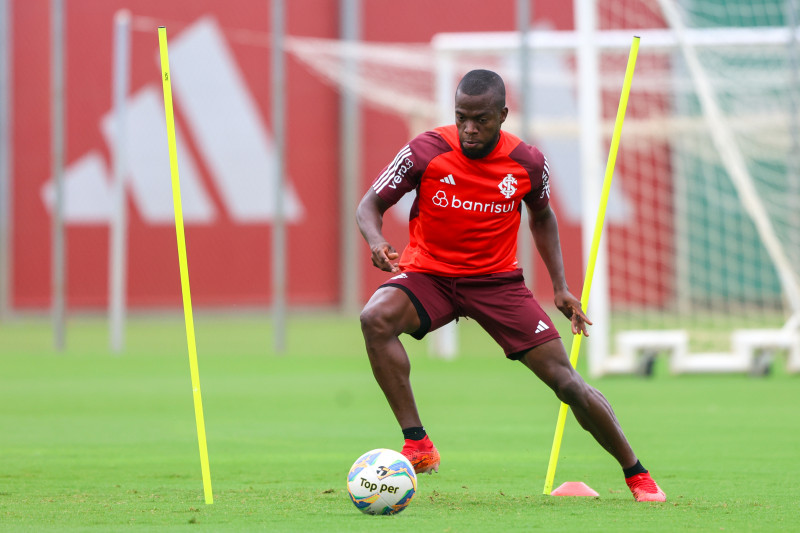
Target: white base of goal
[
  {"x": 443, "y": 342},
  {"x": 752, "y": 351}
]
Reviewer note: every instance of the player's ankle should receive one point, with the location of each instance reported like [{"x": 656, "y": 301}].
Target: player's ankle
[
  {"x": 633, "y": 470},
  {"x": 414, "y": 433}
]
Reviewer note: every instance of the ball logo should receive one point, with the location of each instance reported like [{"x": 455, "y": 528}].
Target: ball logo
[
  {"x": 440, "y": 199},
  {"x": 507, "y": 186},
  {"x": 381, "y": 482}
]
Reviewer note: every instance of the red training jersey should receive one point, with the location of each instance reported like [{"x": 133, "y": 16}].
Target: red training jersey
[{"x": 466, "y": 216}]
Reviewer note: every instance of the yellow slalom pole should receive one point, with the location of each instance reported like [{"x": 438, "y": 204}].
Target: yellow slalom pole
[
  {"x": 598, "y": 230},
  {"x": 187, "y": 298}
]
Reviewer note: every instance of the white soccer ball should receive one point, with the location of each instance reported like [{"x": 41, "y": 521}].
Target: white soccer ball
[{"x": 381, "y": 482}]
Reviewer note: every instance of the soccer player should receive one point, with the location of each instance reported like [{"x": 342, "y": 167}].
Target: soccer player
[{"x": 471, "y": 181}]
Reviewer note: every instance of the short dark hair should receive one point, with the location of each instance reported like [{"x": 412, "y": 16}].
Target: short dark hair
[{"x": 480, "y": 81}]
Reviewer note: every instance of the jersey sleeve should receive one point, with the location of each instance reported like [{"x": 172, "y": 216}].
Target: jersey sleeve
[
  {"x": 539, "y": 197},
  {"x": 403, "y": 174},
  {"x": 535, "y": 163}
]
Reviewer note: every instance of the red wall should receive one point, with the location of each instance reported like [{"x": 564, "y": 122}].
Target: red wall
[{"x": 229, "y": 261}]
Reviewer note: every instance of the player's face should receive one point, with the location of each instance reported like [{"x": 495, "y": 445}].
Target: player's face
[{"x": 478, "y": 118}]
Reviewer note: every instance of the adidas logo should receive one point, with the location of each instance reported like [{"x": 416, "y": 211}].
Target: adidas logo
[
  {"x": 448, "y": 179},
  {"x": 210, "y": 182},
  {"x": 541, "y": 327}
]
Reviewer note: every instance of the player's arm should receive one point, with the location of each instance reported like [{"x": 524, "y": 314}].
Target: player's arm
[
  {"x": 544, "y": 228},
  {"x": 369, "y": 217}
]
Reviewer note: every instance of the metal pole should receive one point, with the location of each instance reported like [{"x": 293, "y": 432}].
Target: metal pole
[
  {"x": 523, "y": 27},
  {"x": 793, "y": 166},
  {"x": 525, "y": 246},
  {"x": 350, "y": 157},
  {"x": 59, "y": 266},
  {"x": 278, "y": 223},
  {"x": 118, "y": 244},
  {"x": 443, "y": 342},
  {"x": 5, "y": 159},
  {"x": 590, "y": 113}
]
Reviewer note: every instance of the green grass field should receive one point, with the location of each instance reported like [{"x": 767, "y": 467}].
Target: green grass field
[{"x": 90, "y": 441}]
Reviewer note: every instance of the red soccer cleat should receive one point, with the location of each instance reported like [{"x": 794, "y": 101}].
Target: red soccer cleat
[
  {"x": 644, "y": 489},
  {"x": 422, "y": 455}
]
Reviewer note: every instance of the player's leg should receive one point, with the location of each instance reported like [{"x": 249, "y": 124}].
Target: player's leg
[
  {"x": 389, "y": 313},
  {"x": 412, "y": 304},
  {"x": 507, "y": 310},
  {"x": 550, "y": 363}
]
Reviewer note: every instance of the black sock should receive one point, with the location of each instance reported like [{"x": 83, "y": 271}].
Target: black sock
[
  {"x": 635, "y": 469},
  {"x": 417, "y": 433}
]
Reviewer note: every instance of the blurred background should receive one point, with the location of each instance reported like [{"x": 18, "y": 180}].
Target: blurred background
[{"x": 286, "y": 111}]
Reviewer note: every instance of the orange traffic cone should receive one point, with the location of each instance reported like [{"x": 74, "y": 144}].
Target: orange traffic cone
[{"x": 575, "y": 488}]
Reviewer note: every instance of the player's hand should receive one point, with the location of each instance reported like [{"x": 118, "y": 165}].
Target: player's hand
[
  {"x": 384, "y": 256},
  {"x": 571, "y": 307}
]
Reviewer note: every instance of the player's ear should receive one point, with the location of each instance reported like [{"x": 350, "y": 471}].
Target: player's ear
[{"x": 503, "y": 114}]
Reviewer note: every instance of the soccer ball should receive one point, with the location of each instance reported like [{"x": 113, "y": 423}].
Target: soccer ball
[{"x": 381, "y": 482}]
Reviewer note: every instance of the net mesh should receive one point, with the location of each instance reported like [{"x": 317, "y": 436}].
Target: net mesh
[{"x": 693, "y": 258}]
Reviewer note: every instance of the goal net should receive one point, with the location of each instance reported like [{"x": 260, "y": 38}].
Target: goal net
[
  {"x": 702, "y": 235},
  {"x": 712, "y": 247}
]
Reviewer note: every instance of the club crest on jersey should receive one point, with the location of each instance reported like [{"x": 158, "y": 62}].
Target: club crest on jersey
[{"x": 507, "y": 186}]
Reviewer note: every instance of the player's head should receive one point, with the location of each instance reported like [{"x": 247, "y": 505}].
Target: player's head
[{"x": 480, "y": 111}]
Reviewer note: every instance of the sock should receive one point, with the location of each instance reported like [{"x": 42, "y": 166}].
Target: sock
[
  {"x": 417, "y": 433},
  {"x": 635, "y": 469}
]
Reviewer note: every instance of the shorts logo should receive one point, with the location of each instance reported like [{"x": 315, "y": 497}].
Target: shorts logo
[
  {"x": 440, "y": 198},
  {"x": 507, "y": 186},
  {"x": 541, "y": 327},
  {"x": 400, "y": 276}
]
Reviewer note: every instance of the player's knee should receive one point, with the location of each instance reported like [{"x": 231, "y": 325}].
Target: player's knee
[
  {"x": 572, "y": 390},
  {"x": 375, "y": 322}
]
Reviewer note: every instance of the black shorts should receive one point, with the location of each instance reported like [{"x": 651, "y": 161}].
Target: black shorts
[{"x": 500, "y": 303}]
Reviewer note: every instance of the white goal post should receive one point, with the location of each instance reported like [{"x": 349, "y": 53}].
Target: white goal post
[
  {"x": 701, "y": 250},
  {"x": 452, "y": 49}
]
